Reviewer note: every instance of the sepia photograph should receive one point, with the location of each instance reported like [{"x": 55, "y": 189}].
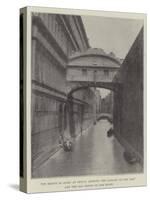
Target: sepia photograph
[{"x": 87, "y": 107}]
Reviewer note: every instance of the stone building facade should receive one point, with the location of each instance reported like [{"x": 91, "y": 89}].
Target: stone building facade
[{"x": 54, "y": 39}]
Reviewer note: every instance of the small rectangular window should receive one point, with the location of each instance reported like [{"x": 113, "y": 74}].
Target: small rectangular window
[
  {"x": 106, "y": 72},
  {"x": 84, "y": 72}
]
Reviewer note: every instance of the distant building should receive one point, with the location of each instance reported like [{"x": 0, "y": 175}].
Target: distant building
[
  {"x": 107, "y": 104},
  {"x": 98, "y": 101}
]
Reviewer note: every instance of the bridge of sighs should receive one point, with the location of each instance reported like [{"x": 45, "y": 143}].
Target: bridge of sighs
[{"x": 91, "y": 69}]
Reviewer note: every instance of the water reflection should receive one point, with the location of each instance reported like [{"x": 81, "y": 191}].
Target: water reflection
[{"x": 94, "y": 154}]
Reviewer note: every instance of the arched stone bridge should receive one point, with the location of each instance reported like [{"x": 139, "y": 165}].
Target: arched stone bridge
[{"x": 92, "y": 68}]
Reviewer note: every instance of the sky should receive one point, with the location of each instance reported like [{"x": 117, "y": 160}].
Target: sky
[{"x": 111, "y": 34}]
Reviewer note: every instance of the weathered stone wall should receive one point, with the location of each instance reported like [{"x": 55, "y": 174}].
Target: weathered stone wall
[
  {"x": 51, "y": 46},
  {"x": 128, "y": 108}
]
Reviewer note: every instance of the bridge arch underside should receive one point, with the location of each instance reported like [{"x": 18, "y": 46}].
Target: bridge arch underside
[{"x": 115, "y": 87}]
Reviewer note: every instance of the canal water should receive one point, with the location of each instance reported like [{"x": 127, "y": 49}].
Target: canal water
[{"x": 94, "y": 154}]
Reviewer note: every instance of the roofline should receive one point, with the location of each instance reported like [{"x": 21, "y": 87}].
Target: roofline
[
  {"x": 84, "y": 31},
  {"x": 67, "y": 23},
  {"x": 96, "y": 55}
]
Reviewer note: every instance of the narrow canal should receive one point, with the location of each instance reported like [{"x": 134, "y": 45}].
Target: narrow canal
[{"x": 94, "y": 154}]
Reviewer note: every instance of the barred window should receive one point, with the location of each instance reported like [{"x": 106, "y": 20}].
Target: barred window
[
  {"x": 106, "y": 72},
  {"x": 84, "y": 72}
]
